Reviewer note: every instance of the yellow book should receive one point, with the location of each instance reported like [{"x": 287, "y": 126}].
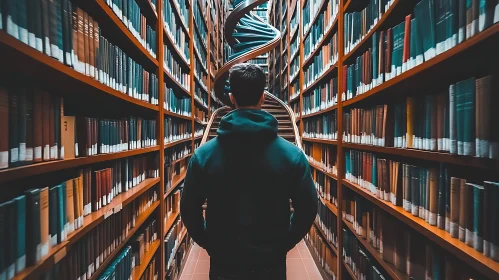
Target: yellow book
[{"x": 410, "y": 117}]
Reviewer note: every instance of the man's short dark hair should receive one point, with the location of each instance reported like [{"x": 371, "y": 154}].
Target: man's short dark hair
[{"x": 247, "y": 83}]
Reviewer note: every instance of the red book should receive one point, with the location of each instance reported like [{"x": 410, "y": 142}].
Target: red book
[{"x": 407, "y": 38}]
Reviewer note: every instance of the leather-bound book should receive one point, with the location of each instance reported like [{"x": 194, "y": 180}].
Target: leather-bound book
[{"x": 4, "y": 126}]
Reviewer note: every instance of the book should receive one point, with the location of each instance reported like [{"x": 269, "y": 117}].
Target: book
[
  {"x": 322, "y": 251},
  {"x": 4, "y": 126},
  {"x": 321, "y": 127}
]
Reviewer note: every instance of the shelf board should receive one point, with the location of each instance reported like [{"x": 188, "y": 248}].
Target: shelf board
[
  {"x": 124, "y": 30},
  {"x": 182, "y": 158},
  {"x": 332, "y": 108},
  {"x": 469, "y": 161},
  {"x": 201, "y": 105},
  {"x": 318, "y": 80},
  {"x": 168, "y": 113},
  {"x": 200, "y": 121},
  {"x": 140, "y": 220},
  {"x": 370, "y": 33},
  {"x": 176, "y": 180},
  {"x": 35, "y": 64},
  {"x": 433, "y": 64},
  {"x": 326, "y": 36},
  {"x": 330, "y": 206},
  {"x": 330, "y": 175},
  {"x": 393, "y": 272},
  {"x": 198, "y": 55},
  {"x": 478, "y": 261},
  {"x": 347, "y": 268},
  {"x": 56, "y": 165},
  {"x": 139, "y": 270},
  {"x": 174, "y": 143},
  {"x": 170, "y": 222},
  {"x": 177, "y": 84},
  {"x": 323, "y": 141}
]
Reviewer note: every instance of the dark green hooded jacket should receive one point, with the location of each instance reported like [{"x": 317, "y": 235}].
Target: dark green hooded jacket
[{"x": 247, "y": 175}]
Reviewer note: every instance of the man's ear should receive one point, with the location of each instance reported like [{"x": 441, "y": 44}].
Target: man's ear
[
  {"x": 262, "y": 99},
  {"x": 232, "y": 99}
]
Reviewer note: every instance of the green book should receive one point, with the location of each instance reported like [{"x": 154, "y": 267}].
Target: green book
[
  {"x": 459, "y": 116},
  {"x": 486, "y": 9},
  {"x": 10, "y": 11},
  {"x": 461, "y": 21},
  {"x": 33, "y": 239},
  {"x": 447, "y": 199},
  {"x": 478, "y": 217},
  {"x": 20, "y": 237},
  {"x": 22, "y": 20},
  {"x": 53, "y": 215},
  {"x": 466, "y": 108},
  {"x": 452, "y": 24},
  {"x": 425, "y": 11},
  {"x": 400, "y": 53},
  {"x": 61, "y": 219},
  {"x": 11, "y": 238},
  {"x": 45, "y": 22},
  {"x": 3, "y": 240},
  {"x": 441, "y": 198},
  {"x": 427, "y": 123},
  {"x": 441, "y": 25}
]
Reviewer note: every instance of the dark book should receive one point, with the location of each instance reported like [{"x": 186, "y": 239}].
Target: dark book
[
  {"x": 22, "y": 20},
  {"x": 4, "y": 126},
  {"x": 10, "y": 21},
  {"x": 14, "y": 128},
  {"x": 22, "y": 109},
  {"x": 29, "y": 127},
  {"x": 46, "y": 26},
  {"x": 33, "y": 240},
  {"x": 20, "y": 236},
  {"x": 53, "y": 215},
  {"x": 37, "y": 125}
]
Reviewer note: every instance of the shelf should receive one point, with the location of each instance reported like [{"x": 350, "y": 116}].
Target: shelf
[
  {"x": 170, "y": 222},
  {"x": 174, "y": 143},
  {"x": 318, "y": 263},
  {"x": 90, "y": 221},
  {"x": 122, "y": 30},
  {"x": 324, "y": 38},
  {"x": 332, "y": 108},
  {"x": 171, "y": 114},
  {"x": 370, "y": 33},
  {"x": 347, "y": 268},
  {"x": 182, "y": 22},
  {"x": 182, "y": 158},
  {"x": 201, "y": 105},
  {"x": 331, "y": 175},
  {"x": 140, "y": 220},
  {"x": 330, "y": 206},
  {"x": 56, "y": 165},
  {"x": 390, "y": 269},
  {"x": 33, "y": 63},
  {"x": 198, "y": 137},
  {"x": 430, "y": 67},
  {"x": 137, "y": 271},
  {"x": 469, "y": 161},
  {"x": 200, "y": 60},
  {"x": 178, "y": 52},
  {"x": 324, "y": 236},
  {"x": 321, "y": 77},
  {"x": 478, "y": 261},
  {"x": 177, "y": 85},
  {"x": 200, "y": 121},
  {"x": 323, "y": 141},
  {"x": 176, "y": 180},
  {"x": 316, "y": 16}
]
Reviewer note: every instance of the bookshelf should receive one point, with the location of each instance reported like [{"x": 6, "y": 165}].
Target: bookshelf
[
  {"x": 470, "y": 57},
  {"x": 166, "y": 39}
]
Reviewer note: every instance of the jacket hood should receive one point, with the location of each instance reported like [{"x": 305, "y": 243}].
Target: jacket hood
[{"x": 251, "y": 124}]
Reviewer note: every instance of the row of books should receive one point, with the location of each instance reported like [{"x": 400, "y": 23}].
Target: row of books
[
  {"x": 461, "y": 208},
  {"x": 258, "y": 61},
  {"x": 322, "y": 127},
  {"x": 179, "y": 105},
  {"x": 294, "y": 69},
  {"x": 323, "y": 96},
  {"x": 172, "y": 242},
  {"x": 201, "y": 95},
  {"x": 327, "y": 258},
  {"x": 295, "y": 90},
  {"x": 200, "y": 49},
  {"x": 200, "y": 114},
  {"x": 319, "y": 29},
  {"x": 179, "y": 259},
  {"x": 200, "y": 74},
  {"x": 175, "y": 129},
  {"x": 130, "y": 14},
  {"x": 309, "y": 12},
  {"x": 457, "y": 121},
  {"x": 174, "y": 30},
  {"x": 326, "y": 186},
  {"x": 320, "y": 64},
  {"x": 358, "y": 24},
  {"x": 198, "y": 129},
  {"x": 323, "y": 156},
  {"x": 141, "y": 244},
  {"x": 296, "y": 109},
  {"x": 177, "y": 152},
  {"x": 405, "y": 249},
  {"x": 176, "y": 70},
  {"x": 328, "y": 223},
  {"x": 415, "y": 40},
  {"x": 294, "y": 47},
  {"x": 172, "y": 204},
  {"x": 293, "y": 22},
  {"x": 173, "y": 173},
  {"x": 199, "y": 20}
]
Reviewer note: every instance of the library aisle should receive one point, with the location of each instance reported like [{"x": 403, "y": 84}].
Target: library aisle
[{"x": 300, "y": 264}]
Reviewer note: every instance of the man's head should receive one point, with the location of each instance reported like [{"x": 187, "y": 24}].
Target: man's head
[{"x": 247, "y": 84}]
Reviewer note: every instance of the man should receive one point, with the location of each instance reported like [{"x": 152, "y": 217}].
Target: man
[{"x": 247, "y": 175}]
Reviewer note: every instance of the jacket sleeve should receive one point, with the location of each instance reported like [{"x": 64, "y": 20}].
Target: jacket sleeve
[
  {"x": 304, "y": 199},
  {"x": 191, "y": 202}
]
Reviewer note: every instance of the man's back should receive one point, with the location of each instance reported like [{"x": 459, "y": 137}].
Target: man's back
[{"x": 248, "y": 175}]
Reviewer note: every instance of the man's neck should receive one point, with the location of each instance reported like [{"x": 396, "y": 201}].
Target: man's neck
[{"x": 249, "y": 107}]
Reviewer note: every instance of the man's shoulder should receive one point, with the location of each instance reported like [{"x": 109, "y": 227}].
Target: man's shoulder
[
  {"x": 286, "y": 149},
  {"x": 206, "y": 150}
]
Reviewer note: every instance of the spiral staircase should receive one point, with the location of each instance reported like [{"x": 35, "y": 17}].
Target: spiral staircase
[{"x": 249, "y": 36}]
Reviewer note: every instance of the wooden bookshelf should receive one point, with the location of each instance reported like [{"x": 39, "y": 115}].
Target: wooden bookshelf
[
  {"x": 177, "y": 179},
  {"x": 348, "y": 269},
  {"x": 322, "y": 141},
  {"x": 389, "y": 268},
  {"x": 15, "y": 173},
  {"x": 169, "y": 223},
  {"x": 139, "y": 270},
  {"x": 316, "y": 260},
  {"x": 324, "y": 236}
]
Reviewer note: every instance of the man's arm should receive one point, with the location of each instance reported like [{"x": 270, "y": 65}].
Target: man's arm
[
  {"x": 191, "y": 202},
  {"x": 305, "y": 200}
]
